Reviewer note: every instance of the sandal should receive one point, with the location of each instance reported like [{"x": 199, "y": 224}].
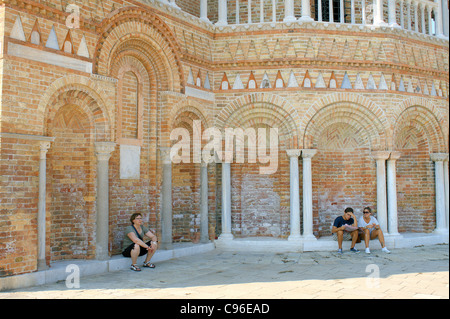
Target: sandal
[
  {"x": 149, "y": 265},
  {"x": 135, "y": 268}
]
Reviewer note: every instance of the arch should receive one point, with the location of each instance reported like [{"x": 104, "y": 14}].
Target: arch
[
  {"x": 366, "y": 117},
  {"x": 262, "y": 108},
  {"x": 423, "y": 120},
  {"x": 424, "y": 115},
  {"x": 154, "y": 41},
  {"x": 187, "y": 105},
  {"x": 80, "y": 91}
]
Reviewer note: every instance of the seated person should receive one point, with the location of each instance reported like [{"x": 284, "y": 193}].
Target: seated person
[
  {"x": 371, "y": 230},
  {"x": 134, "y": 245},
  {"x": 346, "y": 228}
]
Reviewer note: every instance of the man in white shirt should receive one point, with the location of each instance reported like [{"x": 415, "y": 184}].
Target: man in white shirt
[{"x": 371, "y": 230}]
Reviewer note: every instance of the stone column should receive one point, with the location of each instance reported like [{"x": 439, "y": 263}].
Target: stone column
[
  {"x": 445, "y": 19},
  {"x": 381, "y": 158},
  {"x": 446, "y": 191},
  {"x": 378, "y": 18},
  {"x": 204, "y": 10},
  {"x": 438, "y": 159},
  {"x": 408, "y": 13},
  {"x": 392, "y": 14},
  {"x": 307, "y": 195},
  {"x": 226, "y": 200},
  {"x": 392, "y": 194},
  {"x": 439, "y": 20},
  {"x": 166, "y": 199},
  {"x": 223, "y": 14},
  {"x": 103, "y": 151},
  {"x": 44, "y": 147},
  {"x": 306, "y": 11},
  {"x": 289, "y": 11},
  {"x": 204, "y": 223},
  {"x": 294, "y": 194}
]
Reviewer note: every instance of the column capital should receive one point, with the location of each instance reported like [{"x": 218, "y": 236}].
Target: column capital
[
  {"x": 395, "y": 156},
  {"x": 165, "y": 155},
  {"x": 309, "y": 153},
  {"x": 44, "y": 147},
  {"x": 103, "y": 150},
  {"x": 293, "y": 153},
  {"x": 438, "y": 157},
  {"x": 380, "y": 155}
]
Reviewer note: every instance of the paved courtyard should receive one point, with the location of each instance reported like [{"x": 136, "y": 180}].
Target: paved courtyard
[{"x": 420, "y": 272}]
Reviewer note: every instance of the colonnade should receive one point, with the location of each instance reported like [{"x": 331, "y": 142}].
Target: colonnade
[{"x": 386, "y": 196}]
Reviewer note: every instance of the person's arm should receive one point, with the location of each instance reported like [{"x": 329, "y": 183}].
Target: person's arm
[
  {"x": 152, "y": 236},
  {"x": 136, "y": 240},
  {"x": 355, "y": 222}
]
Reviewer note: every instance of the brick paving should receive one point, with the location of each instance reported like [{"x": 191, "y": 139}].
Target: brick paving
[{"x": 420, "y": 272}]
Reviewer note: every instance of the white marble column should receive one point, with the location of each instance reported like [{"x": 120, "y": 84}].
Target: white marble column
[
  {"x": 439, "y": 19},
  {"x": 408, "y": 14},
  {"x": 204, "y": 222},
  {"x": 330, "y": 10},
  {"x": 446, "y": 187},
  {"x": 380, "y": 158},
  {"x": 416, "y": 16},
  {"x": 166, "y": 199},
  {"x": 204, "y": 11},
  {"x": 44, "y": 147},
  {"x": 392, "y": 193},
  {"x": 430, "y": 20},
  {"x": 294, "y": 194},
  {"x": 223, "y": 13},
  {"x": 289, "y": 11},
  {"x": 445, "y": 19},
  {"x": 422, "y": 15},
  {"x": 307, "y": 155},
  {"x": 103, "y": 151},
  {"x": 226, "y": 199},
  {"x": 441, "y": 223},
  {"x": 306, "y": 11},
  {"x": 378, "y": 18},
  {"x": 352, "y": 11},
  {"x": 392, "y": 14}
]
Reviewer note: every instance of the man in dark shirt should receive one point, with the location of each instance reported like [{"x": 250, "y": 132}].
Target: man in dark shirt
[{"x": 345, "y": 228}]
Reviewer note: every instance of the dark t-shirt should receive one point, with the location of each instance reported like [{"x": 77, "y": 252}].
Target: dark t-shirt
[{"x": 340, "y": 221}]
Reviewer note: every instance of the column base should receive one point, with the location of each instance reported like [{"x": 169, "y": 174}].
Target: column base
[
  {"x": 306, "y": 19},
  {"x": 226, "y": 237},
  {"x": 289, "y": 19},
  {"x": 295, "y": 238},
  {"x": 42, "y": 265},
  {"x": 309, "y": 238}
]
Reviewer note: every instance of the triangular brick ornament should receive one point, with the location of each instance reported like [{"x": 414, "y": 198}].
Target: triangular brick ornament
[
  {"x": 225, "y": 84},
  {"x": 433, "y": 90},
  {"x": 371, "y": 83},
  {"x": 322, "y": 52},
  {"x": 358, "y": 53},
  {"x": 290, "y": 50},
  {"x": 346, "y": 84},
  {"x": 68, "y": 44},
  {"x": 332, "y": 84},
  {"x": 401, "y": 86},
  {"x": 52, "y": 41},
  {"x": 278, "y": 51},
  {"x": 359, "y": 85},
  {"x": 17, "y": 30},
  {"x": 292, "y": 83},
  {"x": 279, "y": 82},
  {"x": 198, "y": 81},
  {"x": 410, "y": 88},
  {"x": 383, "y": 84},
  {"x": 307, "y": 83},
  {"x": 265, "y": 52},
  {"x": 252, "y": 54},
  {"x": 36, "y": 35},
  {"x": 265, "y": 83},
  {"x": 320, "y": 83},
  {"x": 190, "y": 79},
  {"x": 239, "y": 54},
  {"x": 251, "y": 84},
  {"x": 393, "y": 83},
  {"x": 426, "y": 91},
  {"x": 83, "y": 49},
  {"x": 310, "y": 51},
  {"x": 207, "y": 84},
  {"x": 238, "y": 83}
]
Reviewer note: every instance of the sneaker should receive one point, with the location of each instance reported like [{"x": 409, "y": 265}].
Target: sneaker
[
  {"x": 367, "y": 250},
  {"x": 385, "y": 250},
  {"x": 354, "y": 250},
  {"x": 340, "y": 251}
]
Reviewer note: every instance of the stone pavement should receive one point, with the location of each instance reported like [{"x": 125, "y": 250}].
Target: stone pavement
[{"x": 420, "y": 272}]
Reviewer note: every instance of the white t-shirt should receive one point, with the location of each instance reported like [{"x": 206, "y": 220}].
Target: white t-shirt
[{"x": 362, "y": 222}]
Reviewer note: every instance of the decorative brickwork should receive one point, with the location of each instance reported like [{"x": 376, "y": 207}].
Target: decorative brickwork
[{"x": 104, "y": 84}]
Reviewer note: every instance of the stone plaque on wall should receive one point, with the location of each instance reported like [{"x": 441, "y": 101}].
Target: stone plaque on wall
[{"x": 130, "y": 161}]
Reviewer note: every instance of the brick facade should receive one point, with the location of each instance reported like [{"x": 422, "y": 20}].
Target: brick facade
[{"x": 133, "y": 71}]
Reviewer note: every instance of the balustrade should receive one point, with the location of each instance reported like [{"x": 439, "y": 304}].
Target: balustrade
[{"x": 428, "y": 17}]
